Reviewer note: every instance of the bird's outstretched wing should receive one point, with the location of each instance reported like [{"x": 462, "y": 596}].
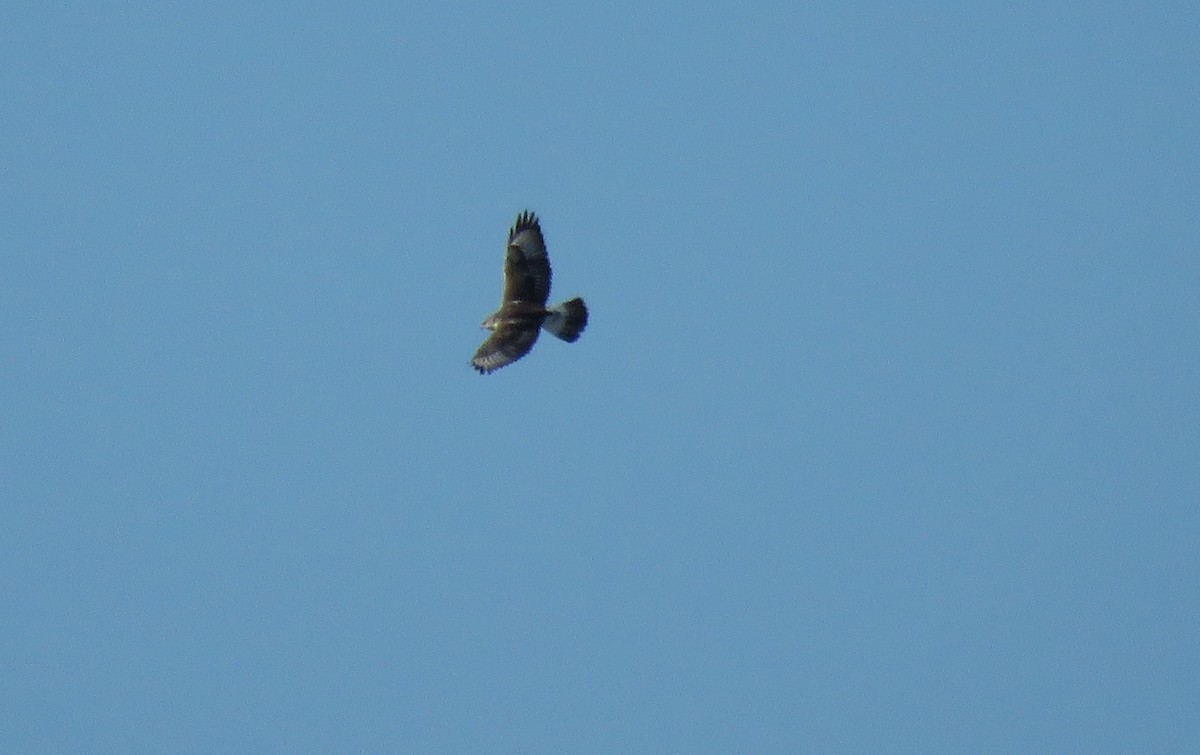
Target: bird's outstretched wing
[
  {"x": 506, "y": 344},
  {"x": 526, "y": 267}
]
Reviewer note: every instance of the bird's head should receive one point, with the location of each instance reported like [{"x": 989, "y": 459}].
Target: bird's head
[{"x": 490, "y": 322}]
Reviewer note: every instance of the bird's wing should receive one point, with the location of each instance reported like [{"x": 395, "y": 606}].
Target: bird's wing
[
  {"x": 526, "y": 267},
  {"x": 505, "y": 345}
]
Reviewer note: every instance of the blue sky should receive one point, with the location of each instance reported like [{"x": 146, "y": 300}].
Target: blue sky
[{"x": 884, "y": 435}]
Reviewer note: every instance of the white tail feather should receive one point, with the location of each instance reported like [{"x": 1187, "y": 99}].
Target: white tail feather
[{"x": 567, "y": 320}]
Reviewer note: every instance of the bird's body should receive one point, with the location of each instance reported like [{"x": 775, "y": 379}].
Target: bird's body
[{"x": 523, "y": 312}]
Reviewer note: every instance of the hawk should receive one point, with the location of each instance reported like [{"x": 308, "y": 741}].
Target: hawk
[{"x": 523, "y": 311}]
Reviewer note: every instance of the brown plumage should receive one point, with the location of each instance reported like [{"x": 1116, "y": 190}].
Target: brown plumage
[{"x": 523, "y": 312}]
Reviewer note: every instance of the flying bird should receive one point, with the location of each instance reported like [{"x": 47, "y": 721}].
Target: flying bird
[{"x": 523, "y": 312}]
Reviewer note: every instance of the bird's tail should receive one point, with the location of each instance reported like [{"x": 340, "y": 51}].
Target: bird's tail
[{"x": 567, "y": 320}]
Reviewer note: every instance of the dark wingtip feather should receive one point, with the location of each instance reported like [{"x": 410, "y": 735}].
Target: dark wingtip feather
[{"x": 526, "y": 220}]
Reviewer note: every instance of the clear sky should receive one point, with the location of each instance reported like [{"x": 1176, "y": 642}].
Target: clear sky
[{"x": 884, "y": 435}]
